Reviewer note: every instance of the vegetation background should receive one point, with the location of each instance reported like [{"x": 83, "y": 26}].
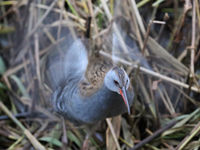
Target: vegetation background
[{"x": 162, "y": 37}]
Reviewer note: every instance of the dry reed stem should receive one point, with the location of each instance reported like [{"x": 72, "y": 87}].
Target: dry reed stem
[
  {"x": 146, "y": 38},
  {"x": 31, "y": 138},
  {"x": 41, "y": 19},
  {"x": 155, "y": 134},
  {"x": 152, "y": 73},
  {"x": 37, "y": 58},
  {"x": 146, "y": 96},
  {"x": 137, "y": 31},
  {"x": 93, "y": 16},
  {"x": 81, "y": 21},
  {"x": 44, "y": 111},
  {"x": 185, "y": 141},
  {"x": 61, "y": 17},
  {"x": 193, "y": 39},
  {"x": 154, "y": 46},
  {"x": 114, "y": 26},
  {"x": 113, "y": 133},
  {"x": 139, "y": 19}
]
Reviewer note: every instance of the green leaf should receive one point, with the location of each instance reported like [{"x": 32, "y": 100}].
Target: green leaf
[
  {"x": 2, "y": 66},
  {"x": 52, "y": 141},
  {"x": 142, "y": 3},
  {"x": 73, "y": 138},
  {"x": 20, "y": 85},
  {"x": 71, "y": 8},
  {"x": 100, "y": 20},
  {"x": 2, "y": 86},
  {"x": 4, "y": 3},
  {"x": 157, "y": 3}
]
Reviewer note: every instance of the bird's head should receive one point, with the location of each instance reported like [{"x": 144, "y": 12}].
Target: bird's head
[{"x": 117, "y": 80}]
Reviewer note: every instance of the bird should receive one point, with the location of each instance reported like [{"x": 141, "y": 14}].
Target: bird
[{"x": 86, "y": 89}]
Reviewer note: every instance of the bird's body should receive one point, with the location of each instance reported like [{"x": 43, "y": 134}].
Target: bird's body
[{"x": 82, "y": 91}]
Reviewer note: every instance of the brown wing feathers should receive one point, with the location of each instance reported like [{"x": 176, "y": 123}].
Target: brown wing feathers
[{"x": 94, "y": 75}]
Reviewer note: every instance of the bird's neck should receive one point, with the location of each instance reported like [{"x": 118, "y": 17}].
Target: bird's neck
[{"x": 101, "y": 104}]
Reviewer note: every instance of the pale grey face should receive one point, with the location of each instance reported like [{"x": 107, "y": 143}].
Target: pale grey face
[{"x": 118, "y": 81}]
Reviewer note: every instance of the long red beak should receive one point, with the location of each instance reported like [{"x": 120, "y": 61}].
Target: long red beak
[{"x": 123, "y": 94}]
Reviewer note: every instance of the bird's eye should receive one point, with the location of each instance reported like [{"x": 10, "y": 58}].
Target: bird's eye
[
  {"x": 126, "y": 82},
  {"x": 116, "y": 83}
]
